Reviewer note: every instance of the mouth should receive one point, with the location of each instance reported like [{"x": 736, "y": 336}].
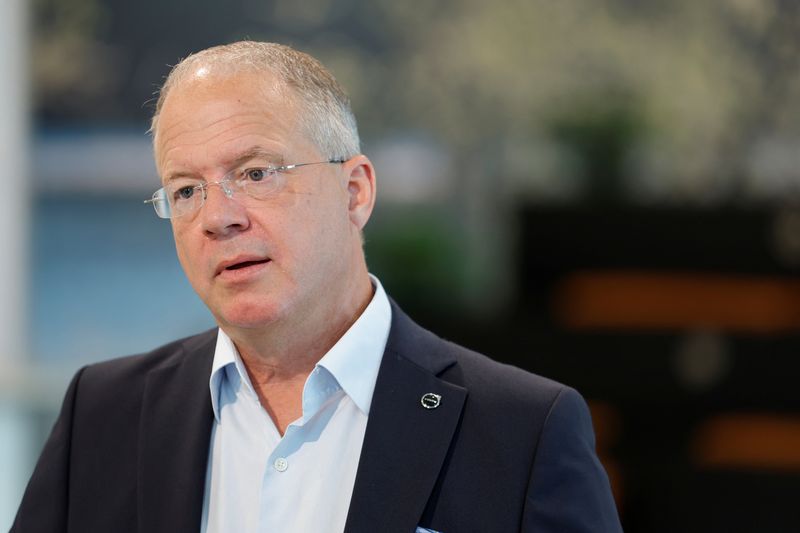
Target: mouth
[
  {"x": 245, "y": 264},
  {"x": 240, "y": 264}
]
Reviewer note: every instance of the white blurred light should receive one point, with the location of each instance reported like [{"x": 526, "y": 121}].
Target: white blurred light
[
  {"x": 702, "y": 360},
  {"x": 15, "y": 427},
  {"x": 774, "y": 169},
  {"x": 100, "y": 162},
  {"x": 412, "y": 169}
]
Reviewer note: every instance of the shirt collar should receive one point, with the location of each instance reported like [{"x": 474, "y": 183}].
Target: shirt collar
[
  {"x": 356, "y": 357},
  {"x": 353, "y": 361},
  {"x": 227, "y": 365}
]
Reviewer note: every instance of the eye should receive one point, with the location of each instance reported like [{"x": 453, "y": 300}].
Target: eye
[
  {"x": 181, "y": 192},
  {"x": 184, "y": 193},
  {"x": 258, "y": 174}
]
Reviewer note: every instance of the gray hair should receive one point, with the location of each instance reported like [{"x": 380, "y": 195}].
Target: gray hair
[{"x": 326, "y": 116}]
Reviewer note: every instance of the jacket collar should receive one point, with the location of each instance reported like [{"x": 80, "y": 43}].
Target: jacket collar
[
  {"x": 175, "y": 429},
  {"x": 405, "y": 443}
]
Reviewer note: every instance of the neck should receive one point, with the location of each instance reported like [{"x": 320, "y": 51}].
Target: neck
[
  {"x": 279, "y": 358},
  {"x": 289, "y": 348}
]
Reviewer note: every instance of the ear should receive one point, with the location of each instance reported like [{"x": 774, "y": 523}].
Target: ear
[{"x": 360, "y": 189}]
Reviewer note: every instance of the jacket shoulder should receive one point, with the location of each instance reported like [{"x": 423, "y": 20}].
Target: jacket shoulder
[
  {"x": 123, "y": 379},
  {"x": 130, "y": 366},
  {"x": 457, "y": 363},
  {"x": 502, "y": 385}
]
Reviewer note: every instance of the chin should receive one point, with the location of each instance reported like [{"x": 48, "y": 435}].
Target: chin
[{"x": 250, "y": 314}]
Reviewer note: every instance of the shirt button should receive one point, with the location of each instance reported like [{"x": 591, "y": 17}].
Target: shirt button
[{"x": 281, "y": 464}]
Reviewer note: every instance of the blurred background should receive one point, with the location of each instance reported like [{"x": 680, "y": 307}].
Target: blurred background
[{"x": 606, "y": 192}]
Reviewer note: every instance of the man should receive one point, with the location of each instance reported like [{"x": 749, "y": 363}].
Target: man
[{"x": 317, "y": 405}]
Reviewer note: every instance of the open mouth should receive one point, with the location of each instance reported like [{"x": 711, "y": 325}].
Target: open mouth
[{"x": 245, "y": 264}]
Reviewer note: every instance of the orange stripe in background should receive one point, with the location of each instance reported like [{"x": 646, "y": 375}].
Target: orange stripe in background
[
  {"x": 644, "y": 300},
  {"x": 748, "y": 441}
]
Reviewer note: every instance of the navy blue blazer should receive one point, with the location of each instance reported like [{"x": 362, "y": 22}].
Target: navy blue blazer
[{"x": 504, "y": 450}]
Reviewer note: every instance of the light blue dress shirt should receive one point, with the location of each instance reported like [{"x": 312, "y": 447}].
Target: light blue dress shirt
[{"x": 257, "y": 480}]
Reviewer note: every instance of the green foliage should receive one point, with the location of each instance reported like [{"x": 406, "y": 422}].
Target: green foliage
[
  {"x": 419, "y": 256},
  {"x": 601, "y": 130}
]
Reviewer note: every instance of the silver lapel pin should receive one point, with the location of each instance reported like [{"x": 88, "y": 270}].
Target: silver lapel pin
[{"x": 430, "y": 400}]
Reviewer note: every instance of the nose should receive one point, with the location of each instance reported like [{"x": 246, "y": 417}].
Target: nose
[{"x": 221, "y": 214}]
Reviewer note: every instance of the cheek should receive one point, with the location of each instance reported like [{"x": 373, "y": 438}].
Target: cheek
[
  {"x": 188, "y": 260},
  {"x": 328, "y": 238}
]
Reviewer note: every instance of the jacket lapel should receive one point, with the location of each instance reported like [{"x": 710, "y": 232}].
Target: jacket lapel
[
  {"x": 405, "y": 444},
  {"x": 175, "y": 428}
]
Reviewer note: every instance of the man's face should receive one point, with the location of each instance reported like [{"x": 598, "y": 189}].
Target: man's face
[{"x": 255, "y": 262}]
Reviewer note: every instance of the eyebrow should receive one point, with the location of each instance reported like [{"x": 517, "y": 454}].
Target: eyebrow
[
  {"x": 179, "y": 175},
  {"x": 254, "y": 152}
]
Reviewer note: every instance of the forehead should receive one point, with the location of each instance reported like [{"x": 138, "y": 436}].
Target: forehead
[{"x": 207, "y": 118}]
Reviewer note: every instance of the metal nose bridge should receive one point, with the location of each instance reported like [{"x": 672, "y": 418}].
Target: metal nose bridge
[{"x": 226, "y": 184}]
